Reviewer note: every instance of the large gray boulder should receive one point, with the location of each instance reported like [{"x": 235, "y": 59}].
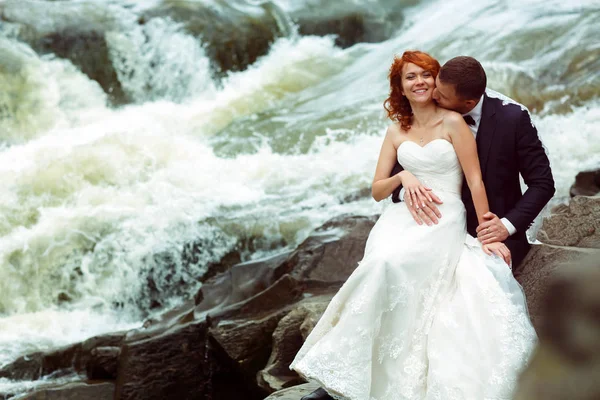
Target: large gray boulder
[
  {"x": 561, "y": 282},
  {"x": 566, "y": 364},
  {"x": 570, "y": 232}
]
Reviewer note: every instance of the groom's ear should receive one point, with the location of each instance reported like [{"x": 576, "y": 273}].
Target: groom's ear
[{"x": 471, "y": 103}]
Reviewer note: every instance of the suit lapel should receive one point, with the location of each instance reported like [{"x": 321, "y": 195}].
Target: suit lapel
[{"x": 485, "y": 133}]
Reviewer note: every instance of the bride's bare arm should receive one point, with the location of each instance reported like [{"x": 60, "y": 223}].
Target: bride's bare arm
[
  {"x": 466, "y": 150},
  {"x": 383, "y": 183}
]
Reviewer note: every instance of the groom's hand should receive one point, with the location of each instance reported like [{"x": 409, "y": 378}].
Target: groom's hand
[
  {"x": 492, "y": 230},
  {"x": 425, "y": 212}
]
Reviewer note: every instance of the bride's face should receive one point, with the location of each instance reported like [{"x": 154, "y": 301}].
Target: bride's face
[{"x": 417, "y": 83}]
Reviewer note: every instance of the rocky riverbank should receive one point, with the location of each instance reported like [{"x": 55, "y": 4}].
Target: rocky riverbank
[{"x": 237, "y": 337}]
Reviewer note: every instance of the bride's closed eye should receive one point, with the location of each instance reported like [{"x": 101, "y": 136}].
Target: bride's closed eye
[{"x": 425, "y": 74}]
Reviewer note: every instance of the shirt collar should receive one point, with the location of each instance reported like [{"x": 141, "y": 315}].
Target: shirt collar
[{"x": 475, "y": 113}]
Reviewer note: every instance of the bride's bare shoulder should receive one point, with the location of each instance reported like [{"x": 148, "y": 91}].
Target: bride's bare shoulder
[
  {"x": 394, "y": 133},
  {"x": 450, "y": 116},
  {"x": 393, "y": 129}
]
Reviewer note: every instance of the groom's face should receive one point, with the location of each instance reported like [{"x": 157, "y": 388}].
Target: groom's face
[{"x": 445, "y": 95}]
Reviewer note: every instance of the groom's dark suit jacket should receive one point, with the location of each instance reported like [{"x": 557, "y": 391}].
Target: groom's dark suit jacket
[{"x": 508, "y": 144}]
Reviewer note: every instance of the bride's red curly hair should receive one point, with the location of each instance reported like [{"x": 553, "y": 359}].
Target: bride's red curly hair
[{"x": 397, "y": 105}]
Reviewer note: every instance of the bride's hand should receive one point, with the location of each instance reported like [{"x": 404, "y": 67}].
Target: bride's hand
[
  {"x": 499, "y": 249},
  {"x": 420, "y": 200}
]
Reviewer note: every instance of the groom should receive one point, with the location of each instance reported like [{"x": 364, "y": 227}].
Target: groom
[{"x": 507, "y": 145}]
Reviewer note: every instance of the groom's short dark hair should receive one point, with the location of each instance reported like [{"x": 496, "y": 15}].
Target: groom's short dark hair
[{"x": 467, "y": 75}]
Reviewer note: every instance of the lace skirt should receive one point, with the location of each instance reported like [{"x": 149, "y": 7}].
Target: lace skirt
[{"x": 426, "y": 315}]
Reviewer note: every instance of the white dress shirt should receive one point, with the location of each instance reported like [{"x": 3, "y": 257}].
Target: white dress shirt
[{"x": 475, "y": 113}]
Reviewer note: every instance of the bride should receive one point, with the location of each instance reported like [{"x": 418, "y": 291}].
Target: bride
[{"x": 429, "y": 313}]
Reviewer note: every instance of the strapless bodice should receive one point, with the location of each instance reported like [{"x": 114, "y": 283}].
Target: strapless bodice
[{"x": 435, "y": 165}]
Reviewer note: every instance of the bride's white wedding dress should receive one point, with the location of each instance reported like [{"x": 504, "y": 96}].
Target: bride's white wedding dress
[{"x": 426, "y": 314}]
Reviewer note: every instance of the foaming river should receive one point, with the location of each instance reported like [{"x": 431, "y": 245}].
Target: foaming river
[{"x": 109, "y": 213}]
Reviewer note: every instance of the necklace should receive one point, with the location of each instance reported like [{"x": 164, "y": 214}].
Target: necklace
[{"x": 421, "y": 141}]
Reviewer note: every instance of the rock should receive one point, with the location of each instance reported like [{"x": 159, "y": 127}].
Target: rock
[
  {"x": 244, "y": 332},
  {"x": 293, "y": 393},
  {"x": 103, "y": 362},
  {"x": 568, "y": 234},
  {"x": 234, "y": 37},
  {"x": 228, "y": 339},
  {"x": 180, "y": 363},
  {"x": 332, "y": 252},
  {"x": 357, "y": 195},
  {"x": 576, "y": 224},
  {"x": 571, "y": 310},
  {"x": 317, "y": 268},
  {"x": 225, "y": 263},
  {"x": 75, "y": 31},
  {"x": 97, "y": 357},
  {"x": 23, "y": 368},
  {"x": 152, "y": 368},
  {"x": 587, "y": 183},
  {"x": 351, "y": 21},
  {"x": 561, "y": 278},
  {"x": 541, "y": 263},
  {"x": 90, "y": 53},
  {"x": 328, "y": 256},
  {"x": 566, "y": 364},
  {"x": 75, "y": 391},
  {"x": 288, "y": 337},
  {"x": 217, "y": 354},
  {"x": 239, "y": 283}
]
